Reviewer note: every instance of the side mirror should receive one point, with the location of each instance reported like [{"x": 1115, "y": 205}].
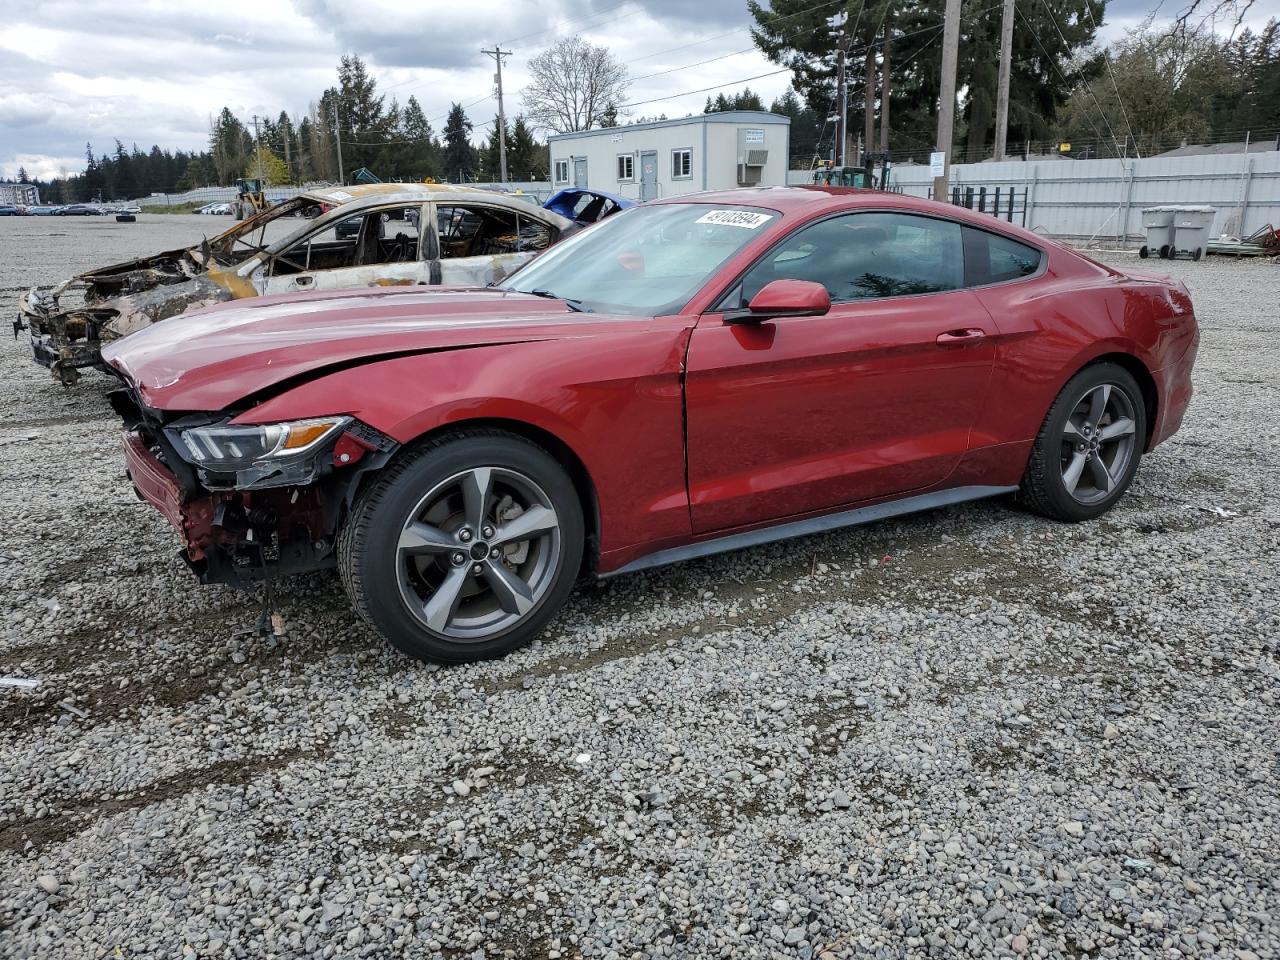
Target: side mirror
[{"x": 784, "y": 298}]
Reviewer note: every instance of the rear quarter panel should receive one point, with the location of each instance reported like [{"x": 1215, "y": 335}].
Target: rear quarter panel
[
  {"x": 613, "y": 399},
  {"x": 1074, "y": 313}
]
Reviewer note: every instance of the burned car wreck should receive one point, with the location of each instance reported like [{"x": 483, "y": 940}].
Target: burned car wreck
[{"x": 389, "y": 234}]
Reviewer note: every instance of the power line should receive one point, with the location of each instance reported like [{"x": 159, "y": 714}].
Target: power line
[
  {"x": 1054, "y": 63},
  {"x": 861, "y": 49},
  {"x": 1111, "y": 73}
]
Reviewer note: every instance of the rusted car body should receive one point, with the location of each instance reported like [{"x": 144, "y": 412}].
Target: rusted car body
[{"x": 388, "y": 234}]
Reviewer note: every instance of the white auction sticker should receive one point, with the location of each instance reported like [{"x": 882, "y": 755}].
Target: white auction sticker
[{"x": 735, "y": 218}]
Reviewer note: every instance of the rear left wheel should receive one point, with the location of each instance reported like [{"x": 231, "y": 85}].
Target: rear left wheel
[
  {"x": 1089, "y": 445},
  {"x": 465, "y": 548}
]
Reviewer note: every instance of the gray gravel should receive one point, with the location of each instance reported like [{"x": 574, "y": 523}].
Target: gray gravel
[{"x": 973, "y": 732}]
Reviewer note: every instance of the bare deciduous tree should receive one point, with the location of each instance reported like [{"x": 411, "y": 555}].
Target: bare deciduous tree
[
  {"x": 575, "y": 84},
  {"x": 1197, "y": 13}
]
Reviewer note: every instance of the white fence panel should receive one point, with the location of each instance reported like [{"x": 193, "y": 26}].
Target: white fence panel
[
  {"x": 540, "y": 189},
  {"x": 1088, "y": 198}
]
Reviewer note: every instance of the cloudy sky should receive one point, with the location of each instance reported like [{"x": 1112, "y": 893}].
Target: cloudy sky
[{"x": 74, "y": 70}]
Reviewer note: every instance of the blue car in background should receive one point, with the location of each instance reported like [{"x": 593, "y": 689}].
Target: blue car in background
[
  {"x": 9, "y": 210},
  {"x": 586, "y": 206}
]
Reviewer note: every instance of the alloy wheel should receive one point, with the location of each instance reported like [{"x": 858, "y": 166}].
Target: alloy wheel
[
  {"x": 478, "y": 552},
  {"x": 1098, "y": 443}
]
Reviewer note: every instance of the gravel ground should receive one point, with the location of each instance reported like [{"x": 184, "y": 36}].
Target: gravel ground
[{"x": 972, "y": 732}]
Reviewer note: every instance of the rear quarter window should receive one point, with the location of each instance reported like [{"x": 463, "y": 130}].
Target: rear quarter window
[{"x": 992, "y": 258}]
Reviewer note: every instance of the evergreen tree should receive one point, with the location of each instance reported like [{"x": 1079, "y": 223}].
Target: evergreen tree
[
  {"x": 303, "y": 167},
  {"x": 743, "y": 100},
  {"x": 806, "y": 126},
  {"x": 459, "y": 155},
  {"x": 91, "y": 183},
  {"x": 22, "y": 175},
  {"x": 364, "y": 118},
  {"x": 420, "y": 153},
  {"x": 228, "y": 144},
  {"x": 1050, "y": 46},
  {"x": 526, "y": 158}
]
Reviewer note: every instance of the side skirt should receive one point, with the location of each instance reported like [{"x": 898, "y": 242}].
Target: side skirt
[{"x": 812, "y": 525}]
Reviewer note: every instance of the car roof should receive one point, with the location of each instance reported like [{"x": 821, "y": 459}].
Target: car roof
[
  {"x": 804, "y": 201},
  {"x": 371, "y": 193},
  {"x": 388, "y": 191}
]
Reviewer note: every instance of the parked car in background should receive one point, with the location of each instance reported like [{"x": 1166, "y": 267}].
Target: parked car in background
[
  {"x": 79, "y": 210},
  {"x": 376, "y": 235},
  {"x": 9, "y": 210},
  {"x": 217, "y": 208},
  {"x": 586, "y": 206},
  {"x": 41, "y": 211},
  {"x": 694, "y": 375}
]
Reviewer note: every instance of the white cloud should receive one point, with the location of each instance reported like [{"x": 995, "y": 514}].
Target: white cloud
[{"x": 73, "y": 71}]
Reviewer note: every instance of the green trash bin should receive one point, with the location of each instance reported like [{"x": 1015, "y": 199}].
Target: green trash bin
[{"x": 1158, "y": 223}]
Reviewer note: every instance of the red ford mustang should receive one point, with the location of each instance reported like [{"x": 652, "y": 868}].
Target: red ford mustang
[{"x": 690, "y": 376}]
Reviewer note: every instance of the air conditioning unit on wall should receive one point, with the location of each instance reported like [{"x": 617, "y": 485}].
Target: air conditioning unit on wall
[{"x": 752, "y": 156}]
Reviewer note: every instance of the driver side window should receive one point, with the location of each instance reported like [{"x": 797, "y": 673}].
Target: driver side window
[
  {"x": 477, "y": 230},
  {"x": 864, "y": 256},
  {"x": 385, "y": 235}
]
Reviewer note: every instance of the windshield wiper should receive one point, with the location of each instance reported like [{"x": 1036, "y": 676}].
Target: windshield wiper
[{"x": 574, "y": 305}]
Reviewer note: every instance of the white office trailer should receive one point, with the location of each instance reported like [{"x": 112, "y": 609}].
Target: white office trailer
[{"x": 665, "y": 158}]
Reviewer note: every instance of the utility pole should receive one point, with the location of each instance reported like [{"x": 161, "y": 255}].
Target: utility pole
[
  {"x": 842, "y": 98},
  {"x": 337, "y": 139},
  {"x": 498, "y": 53},
  {"x": 886, "y": 82},
  {"x": 257, "y": 142},
  {"x": 947, "y": 100},
  {"x": 1002, "y": 91},
  {"x": 869, "y": 104}
]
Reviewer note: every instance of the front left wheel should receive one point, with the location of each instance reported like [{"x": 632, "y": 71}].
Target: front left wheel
[{"x": 465, "y": 548}]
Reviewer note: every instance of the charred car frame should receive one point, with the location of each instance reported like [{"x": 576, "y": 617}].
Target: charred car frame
[{"x": 389, "y": 234}]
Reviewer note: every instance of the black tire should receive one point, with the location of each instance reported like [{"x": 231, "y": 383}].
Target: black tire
[
  {"x": 1143, "y": 253},
  {"x": 1199, "y": 252},
  {"x": 1043, "y": 487},
  {"x": 369, "y": 561},
  {"x": 1166, "y": 253}
]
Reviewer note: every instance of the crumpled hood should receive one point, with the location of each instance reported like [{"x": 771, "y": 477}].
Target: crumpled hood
[{"x": 209, "y": 359}]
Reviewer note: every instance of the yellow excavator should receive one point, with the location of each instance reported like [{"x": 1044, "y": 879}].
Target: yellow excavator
[{"x": 250, "y": 198}]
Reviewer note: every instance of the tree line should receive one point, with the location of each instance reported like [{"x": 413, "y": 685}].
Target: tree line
[
  {"x": 392, "y": 140},
  {"x": 1147, "y": 93}
]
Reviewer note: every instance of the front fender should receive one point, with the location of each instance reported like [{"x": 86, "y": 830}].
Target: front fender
[{"x": 615, "y": 401}]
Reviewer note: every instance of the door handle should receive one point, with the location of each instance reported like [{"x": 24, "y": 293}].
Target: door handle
[
  {"x": 965, "y": 335},
  {"x": 303, "y": 281}
]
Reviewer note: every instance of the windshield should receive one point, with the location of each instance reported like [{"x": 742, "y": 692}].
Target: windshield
[
  {"x": 254, "y": 234},
  {"x": 646, "y": 261}
]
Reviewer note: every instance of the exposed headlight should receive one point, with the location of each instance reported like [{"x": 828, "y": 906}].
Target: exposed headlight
[
  {"x": 245, "y": 457},
  {"x": 225, "y": 446}
]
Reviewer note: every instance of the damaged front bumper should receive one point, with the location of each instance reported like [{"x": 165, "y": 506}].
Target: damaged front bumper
[
  {"x": 243, "y": 536},
  {"x": 63, "y": 342}
]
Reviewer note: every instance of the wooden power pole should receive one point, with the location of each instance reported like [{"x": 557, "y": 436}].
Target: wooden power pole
[
  {"x": 869, "y": 102},
  {"x": 1002, "y": 91},
  {"x": 947, "y": 99},
  {"x": 842, "y": 98},
  {"x": 886, "y": 83},
  {"x": 337, "y": 139},
  {"x": 498, "y": 53}
]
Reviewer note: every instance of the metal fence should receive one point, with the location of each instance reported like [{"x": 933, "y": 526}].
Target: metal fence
[
  {"x": 1105, "y": 198},
  {"x": 539, "y": 189}
]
